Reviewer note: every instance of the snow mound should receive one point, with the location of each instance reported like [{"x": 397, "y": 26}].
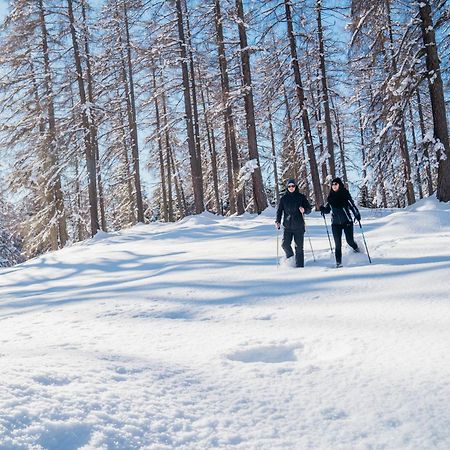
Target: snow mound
[
  {"x": 205, "y": 218},
  {"x": 427, "y": 216},
  {"x": 266, "y": 354},
  {"x": 429, "y": 204}
]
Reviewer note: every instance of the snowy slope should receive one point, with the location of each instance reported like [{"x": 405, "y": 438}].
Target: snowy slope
[{"x": 188, "y": 336}]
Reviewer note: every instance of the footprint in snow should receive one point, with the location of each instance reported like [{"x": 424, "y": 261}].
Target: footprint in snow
[
  {"x": 333, "y": 414},
  {"x": 51, "y": 380},
  {"x": 271, "y": 354}
]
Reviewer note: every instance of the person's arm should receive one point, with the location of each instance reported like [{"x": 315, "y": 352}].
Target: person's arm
[
  {"x": 354, "y": 209},
  {"x": 279, "y": 213},
  {"x": 306, "y": 205},
  {"x": 325, "y": 209}
]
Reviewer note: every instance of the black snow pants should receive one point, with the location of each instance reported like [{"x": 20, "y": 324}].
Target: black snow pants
[
  {"x": 337, "y": 235},
  {"x": 298, "y": 239}
]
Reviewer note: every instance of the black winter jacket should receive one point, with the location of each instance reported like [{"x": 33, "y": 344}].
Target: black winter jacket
[
  {"x": 340, "y": 209},
  {"x": 289, "y": 207}
]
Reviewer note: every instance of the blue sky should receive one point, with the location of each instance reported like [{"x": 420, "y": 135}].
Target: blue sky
[{"x": 3, "y": 8}]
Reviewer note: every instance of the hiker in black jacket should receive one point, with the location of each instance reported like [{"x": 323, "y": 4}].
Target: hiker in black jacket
[
  {"x": 340, "y": 203},
  {"x": 293, "y": 205}
]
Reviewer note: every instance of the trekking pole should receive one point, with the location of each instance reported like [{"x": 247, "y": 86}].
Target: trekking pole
[
  {"x": 278, "y": 248},
  {"x": 309, "y": 238},
  {"x": 364, "y": 239},
  {"x": 326, "y": 226}
]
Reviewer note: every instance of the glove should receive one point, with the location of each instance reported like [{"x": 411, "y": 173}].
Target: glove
[
  {"x": 358, "y": 217},
  {"x": 322, "y": 210},
  {"x": 277, "y": 225}
]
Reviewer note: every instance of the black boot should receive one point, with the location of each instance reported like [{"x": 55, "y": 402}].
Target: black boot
[{"x": 299, "y": 259}]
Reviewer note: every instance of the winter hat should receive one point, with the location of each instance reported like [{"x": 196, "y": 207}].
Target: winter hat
[
  {"x": 338, "y": 181},
  {"x": 291, "y": 181}
]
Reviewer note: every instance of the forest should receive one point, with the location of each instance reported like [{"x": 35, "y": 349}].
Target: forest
[{"x": 118, "y": 112}]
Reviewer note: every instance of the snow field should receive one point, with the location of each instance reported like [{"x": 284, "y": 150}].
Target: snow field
[{"x": 189, "y": 336}]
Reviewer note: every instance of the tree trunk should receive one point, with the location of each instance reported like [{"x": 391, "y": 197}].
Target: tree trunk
[
  {"x": 160, "y": 149},
  {"x": 437, "y": 100},
  {"x": 89, "y": 151},
  {"x": 196, "y": 170},
  {"x": 58, "y": 232},
  {"x": 364, "y": 190},
  {"x": 342, "y": 152},
  {"x": 325, "y": 94},
  {"x": 341, "y": 142},
  {"x": 211, "y": 142},
  {"x": 302, "y": 105},
  {"x": 126, "y": 161},
  {"x": 236, "y": 197},
  {"x": 79, "y": 224},
  {"x": 274, "y": 156},
  {"x": 410, "y": 196},
  {"x": 93, "y": 133},
  {"x": 403, "y": 141},
  {"x": 167, "y": 151},
  {"x": 317, "y": 108},
  {"x": 416, "y": 159},
  {"x": 133, "y": 122},
  {"x": 182, "y": 205},
  {"x": 259, "y": 195},
  {"x": 294, "y": 163},
  {"x": 426, "y": 153},
  {"x": 193, "y": 87}
]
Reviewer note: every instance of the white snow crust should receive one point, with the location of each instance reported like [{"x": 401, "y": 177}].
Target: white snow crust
[{"x": 190, "y": 336}]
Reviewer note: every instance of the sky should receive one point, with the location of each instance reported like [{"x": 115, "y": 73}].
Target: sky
[{"x": 3, "y": 8}]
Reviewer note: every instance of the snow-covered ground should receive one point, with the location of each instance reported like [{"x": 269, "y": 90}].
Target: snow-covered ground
[{"x": 189, "y": 336}]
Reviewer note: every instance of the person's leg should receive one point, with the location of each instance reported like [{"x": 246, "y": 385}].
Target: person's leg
[
  {"x": 337, "y": 235},
  {"x": 348, "y": 231},
  {"x": 299, "y": 253},
  {"x": 286, "y": 244}
]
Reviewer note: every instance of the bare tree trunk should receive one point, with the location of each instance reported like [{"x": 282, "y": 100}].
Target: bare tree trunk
[
  {"x": 341, "y": 142},
  {"x": 342, "y": 152},
  {"x": 425, "y": 149},
  {"x": 236, "y": 200},
  {"x": 294, "y": 169},
  {"x": 93, "y": 126},
  {"x": 129, "y": 115},
  {"x": 160, "y": 149},
  {"x": 196, "y": 170},
  {"x": 126, "y": 161},
  {"x": 437, "y": 100},
  {"x": 364, "y": 190},
  {"x": 167, "y": 152},
  {"x": 403, "y": 142},
  {"x": 89, "y": 151},
  {"x": 259, "y": 194},
  {"x": 317, "y": 108},
  {"x": 410, "y": 196},
  {"x": 416, "y": 159},
  {"x": 182, "y": 205},
  {"x": 304, "y": 174},
  {"x": 133, "y": 120},
  {"x": 58, "y": 233},
  {"x": 274, "y": 156},
  {"x": 79, "y": 224},
  {"x": 302, "y": 105},
  {"x": 325, "y": 100},
  {"x": 48, "y": 169},
  {"x": 380, "y": 173},
  {"x": 211, "y": 142},
  {"x": 193, "y": 86}
]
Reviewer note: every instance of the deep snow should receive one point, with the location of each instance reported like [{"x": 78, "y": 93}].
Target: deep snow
[{"x": 189, "y": 336}]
